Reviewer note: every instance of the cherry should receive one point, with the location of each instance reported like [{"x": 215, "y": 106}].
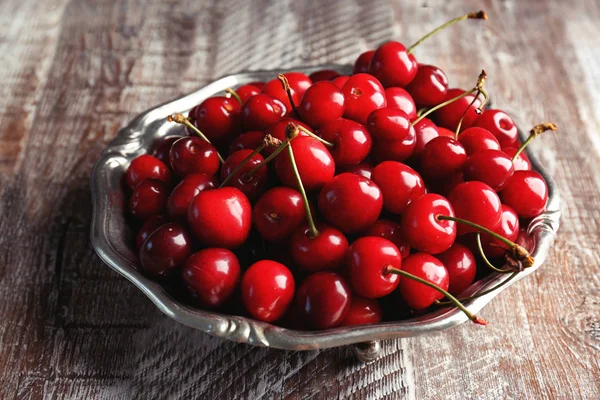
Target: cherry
[
  {"x": 500, "y": 125},
  {"x": 258, "y": 84},
  {"x": 340, "y": 81},
  {"x": 393, "y": 65},
  {"x": 323, "y": 75},
  {"x": 429, "y": 87},
  {"x": 217, "y": 118},
  {"x": 425, "y": 131},
  {"x": 395, "y": 150},
  {"x": 146, "y": 167},
  {"x": 246, "y": 91},
  {"x": 423, "y": 230},
  {"x": 165, "y": 249},
  {"x": 368, "y": 260},
  {"x": 363, "y": 311},
  {"x": 299, "y": 82},
  {"x": 389, "y": 124},
  {"x": 278, "y": 213},
  {"x": 251, "y": 186},
  {"x": 447, "y": 185},
  {"x": 220, "y": 217},
  {"x": 525, "y": 192},
  {"x": 267, "y": 290},
  {"x": 150, "y": 225},
  {"x": 391, "y": 231},
  {"x": 416, "y": 295},
  {"x": 148, "y": 198},
  {"x": 275, "y": 89},
  {"x": 362, "y": 93},
  {"x": 323, "y": 300},
  {"x": 442, "y": 158},
  {"x": 279, "y": 130},
  {"x": 162, "y": 147},
  {"x": 211, "y": 276},
  {"x": 362, "y": 169},
  {"x": 445, "y": 132},
  {"x": 193, "y": 155},
  {"x": 322, "y": 102},
  {"x": 248, "y": 140},
  {"x": 475, "y": 139},
  {"x": 351, "y": 141},
  {"x": 181, "y": 197},
  {"x": 327, "y": 250},
  {"x": 260, "y": 111},
  {"x": 492, "y": 167},
  {"x": 350, "y": 202},
  {"x": 399, "y": 98},
  {"x": 522, "y": 162},
  {"x": 362, "y": 62},
  {"x": 508, "y": 228},
  {"x": 450, "y": 115},
  {"x": 399, "y": 183},
  {"x": 461, "y": 266},
  {"x": 478, "y": 203}
]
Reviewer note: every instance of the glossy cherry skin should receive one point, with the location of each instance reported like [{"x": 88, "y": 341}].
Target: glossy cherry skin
[
  {"x": 278, "y": 213},
  {"x": 399, "y": 183},
  {"x": 299, "y": 82},
  {"x": 393, "y": 65},
  {"x": 248, "y": 140},
  {"x": 400, "y": 99},
  {"x": 475, "y": 139},
  {"x": 148, "y": 198},
  {"x": 220, "y": 217},
  {"x": 211, "y": 275},
  {"x": 163, "y": 147},
  {"x": 267, "y": 290},
  {"x": 389, "y": 123},
  {"x": 492, "y": 167},
  {"x": 425, "y": 132},
  {"x": 352, "y": 142},
  {"x": 218, "y": 118},
  {"x": 314, "y": 162},
  {"x": 323, "y": 75},
  {"x": 274, "y": 88},
  {"x": 150, "y": 225},
  {"x": 368, "y": 258},
  {"x": 340, "y": 81},
  {"x": 415, "y": 294},
  {"x": 247, "y": 91},
  {"x": 147, "y": 167},
  {"x": 445, "y": 132},
  {"x": 165, "y": 249},
  {"x": 252, "y": 186},
  {"x": 181, "y": 197},
  {"x": 362, "y": 169},
  {"x": 190, "y": 155},
  {"x": 361, "y": 65},
  {"x": 449, "y": 115},
  {"x": 260, "y": 111},
  {"x": 525, "y": 192},
  {"x": 522, "y": 162},
  {"x": 423, "y": 230},
  {"x": 350, "y": 202},
  {"x": 395, "y": 150},
  {"x": 363, "y": 94},
  {"x": 500, "y": 125},
  {"x": 442, "y": 157},
  {"x": 461, "y": 266},
  {"x": 508, "y": 228},
  {"x": 323, "y": 300},
  {"x": 322, "y": 102},
  {"x": 429, "y": 87},
  {"x": 476, "y": 202},
  {"x": 363, "y": 311},
  {"x": 325, "y": 251},
  {"x": 279, "y": 130},
  {"x": 391, "y": 231}
]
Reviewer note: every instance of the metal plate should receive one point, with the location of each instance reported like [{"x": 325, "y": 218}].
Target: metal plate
[{"x": 110, "y": 236}]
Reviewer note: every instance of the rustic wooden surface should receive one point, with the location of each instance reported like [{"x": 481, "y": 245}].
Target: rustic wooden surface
[{"x": 73, "y": 72}]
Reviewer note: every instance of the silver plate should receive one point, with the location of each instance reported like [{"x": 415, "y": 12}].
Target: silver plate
[{"x": 110, "y": 236}]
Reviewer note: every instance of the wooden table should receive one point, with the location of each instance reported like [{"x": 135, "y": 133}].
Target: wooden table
[{"x": 73, "y": 72}]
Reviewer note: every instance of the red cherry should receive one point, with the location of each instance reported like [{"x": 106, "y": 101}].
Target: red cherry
[
  {"x": 323, "y": 300},
  {"x": 322, "y": 102},
  {"x": 449, "y": 115},
  {"x": 279, "y": 131},
  {"x": 425, "y": 132},
  {"x": 393, "y": 65},
  {"x": 299, "y": 82},
  {"x": 220, "y": 217},
  {"x": 389, "y": 124},
  {"x": 478, "y": 203},
  {"x": 445, "y": 132},
  {"x": 500, "y": 125},
  {"x": 249, "y": 140},
  {"x": 395, "y": 150},
  {"x": 508, "y": 228},
  {"x": 267, "y": 290},
  {"x": 211, "y": 275},
  {"x": 447, "y": 185},
  {"x": 148, "y": 198},
  {"x": 351, "y": 141},
  {"x": 350, "y": 202},
  {"x": 417, "y": 295},
  {"x": 522, "y": 162},
  {"x": 526, "y": 192},
  {"x": 399, "y": 98},
  {"x": 362, "y": 169},
  {"x": 429, "y": 87},
  {"x": 147, "y": 167},
  {"x": 362, "y": 62},
  {"x": 399, "y": 183},
  {"x": 325, "y": 251},
  {"x": 274, "y": 88},
  {"x": 323, "y": 75},
  {"x": 362, "y": 93},
  {"x": 260, "y": 111},
  {"x": 340, "y": 81},
  {"x": 258, "y": 84},
  {"x": 442, "y": 158},
  {"x": 461, "y": 266},
  {"x": 492, "y": 167},
  {"x": 368, "y": 260},
  {"x": 163, "y": 146},
  {"x": 278, "y": 213},
  {"x": 150, "y": 225},
  {"x": 181, "y": 197},
  {"x": 475, "y": 139},
  {"x": 247, "y": 91},
  {"x": 165, "y": 249},
  {"x": 252, "y": 186},
  {"x": 218, "y": 118},
  {"x": 422, "y": 230},
  {"x": 391, "y": 231},
  {"x": 363, "y": 312},
  {"x": 191, "y": 155}
]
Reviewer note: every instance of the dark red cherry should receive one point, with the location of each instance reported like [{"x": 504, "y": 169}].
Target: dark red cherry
[
  {"x": 429, "y": 87},
  {"x": 350, "y": 202},
  {"x": 422, "y": 230},
  {"x": 508, "y": 228},
  {"x": 181, "y": 197},
  {"x": 442, "y": 158},
  {"x": 526, "y": 192},
  {"x": 363, "y": 311},
  {"x": 400, "y": 99},
  {"x": 361, "y": 65},
  {"x": 395, "y": 150},
  {"x": 260, "y": 111},
  {"x": 248, "y": 140},
  {"x": 368, "y": 260},
  {"x": 252, "y": 186},
  {"x": 323, "y": 75},
  {"x": 190, "y": 155},
  {"x": 522, "y": 162},
  {"x": 389, "y": 124},
  {"x": 415, "y": 294},
  {"x": 148, "y": 198},
  {"x": 399, "y": 183},
  {"x": 393, "y": 65},
  {"x": 323, "y": 300},
  {"x": 218, "y": 118},
  {"x": 475, "y": 139},
  {"x": 425, "y": 132},
  {"x": 267, "y": 290},
  {"x": 150, "y": 225},
  {"x": 274, "y": 88},
  {"x": 247, "y": 91},
  {"x": 165, "y": 249},
  {"x": 322, "y": 102},
  {"x": 351, "y": 141},
  {"x": 258, "y": 84},
  {"x": 147, "y": 167},
  {"x": 278, "y": 213},
  {"x": 211, "y": 276},
  {"x": 220, "y": 217},
  {"x": 492, "y": 167},
  {"x": 391, "y": 231},
  {"x": 163, "y": 146},
  {"x": 476, "y": 202},
  {"x": 325, "y": 251},
  {"x": 461, "y": 266},
  {"x": 340, "y": 81},
  {"x": 449, "y": 115},
  {"x": 447, "y": 185},
  {"x": 500, "y": 125},
  {"x": 362, "y": 169},
  {"x": 363, "y": 94}
]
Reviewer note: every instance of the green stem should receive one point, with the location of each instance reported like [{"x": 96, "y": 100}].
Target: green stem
[
  {"x": 444, "y": 104},
  {"x": 460, "y": 121},
  {"x": 234, "y": 94},
  {"x": 490, "y": 290},
  {"x": 312, "y": 135},
  {"x": 485, "y": 259},
  {"x": 241, "y": 164},
  {"x": 311, "y": 223},
  {"x": 278, "y": 150},
  {"x": 478, "y": 227},
  {"x": 533, "y": 133}
]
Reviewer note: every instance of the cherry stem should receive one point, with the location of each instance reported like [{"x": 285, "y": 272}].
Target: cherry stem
[
  {"x": 454, "y": 300},
  {"x": 314, "y": 232},
  {"x": 181, "y": 119},
  {"x": 286, "y": 86},
  {"x": 533, "y": 133},
  {"x": 478, "y": 90},
  {"x": 441, "y": 105},
  {"x": 234, "y": 94},
  {"x": 244, "y": 162},
  {"x": 421, "y": 111},
  {"x": 485, "y": 259},
  {"x": 280, "y": 147},
  {"x": 490, "y": 290},
  {"x": 471, "y": 15},
  {"x": 312, "y": 135}
]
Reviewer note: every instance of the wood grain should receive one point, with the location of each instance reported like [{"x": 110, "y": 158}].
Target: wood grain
[{"x": 73, "y": 72}]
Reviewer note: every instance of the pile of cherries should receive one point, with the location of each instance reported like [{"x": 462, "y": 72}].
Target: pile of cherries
[{"x": 387, "y": 189}]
